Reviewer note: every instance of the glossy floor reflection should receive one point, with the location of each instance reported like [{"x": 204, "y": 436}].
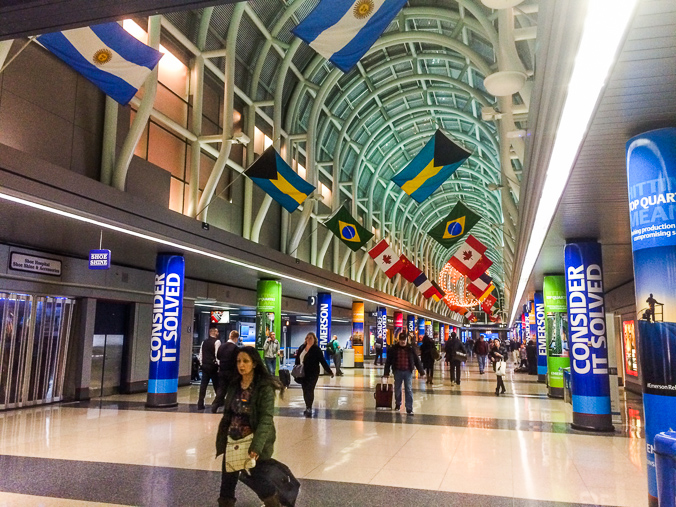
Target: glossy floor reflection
[{"x": 463, "y": 442}]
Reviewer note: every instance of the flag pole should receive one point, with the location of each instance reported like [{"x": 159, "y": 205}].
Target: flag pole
[
  {"x": 301, "y": 242},
  {"x": 30, "y": 39},
  {"x": 239, "y": 175}
]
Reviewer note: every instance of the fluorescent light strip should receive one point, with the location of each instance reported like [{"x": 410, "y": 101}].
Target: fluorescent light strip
[
  {"x": 68, "y": 214},
  {"x": 604, "y": 28}
]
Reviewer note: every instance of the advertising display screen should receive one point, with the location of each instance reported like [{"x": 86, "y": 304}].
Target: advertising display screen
[{"x": 629, "y": 345}]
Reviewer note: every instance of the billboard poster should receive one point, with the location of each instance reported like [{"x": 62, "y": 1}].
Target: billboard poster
[
  {"x": 588, "y": 341},
  {"x": 268, "y": 311},
  {"x": 539, "y": 307},
  {"x": 398, "y": 324},
  {"x": 324, "y": 322},
  {"x": 381, "y": 328},
  {"x": 651, "y": 180},
  {"x": 421, "y": 328},
  {"x": 556, "y": 333},
  {"x": 358, "y": 333},
  {"x": 428, "y": 328},
  {"x": 165, "y": 341},
  {"x": 629, "y": 346},
  {"x": 410, "y": 323}
]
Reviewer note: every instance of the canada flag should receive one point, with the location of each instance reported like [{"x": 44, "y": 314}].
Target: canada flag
[
  {"x": 470, "y": 260},
  {"x": 386, "y": 258}
]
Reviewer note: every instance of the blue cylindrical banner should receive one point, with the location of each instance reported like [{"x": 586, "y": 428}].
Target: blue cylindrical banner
[
  {"x": 421, "y": 328},
  {"x": 541, "y": 336},
  {"x": 381, "y": 328},
  {"x": 428, "y": 328},
  {"x": 324, "y": 321},
  {"x": 410, "y": 323},
  {"x": 442, "y": 333},
  {"x": 165, "y": 340},
  {"x": 587, "y": 340},
  {"x": 651, "y": 177}
]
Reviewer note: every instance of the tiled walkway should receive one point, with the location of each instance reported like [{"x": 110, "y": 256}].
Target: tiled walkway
[{"x": 464, "y": 446}]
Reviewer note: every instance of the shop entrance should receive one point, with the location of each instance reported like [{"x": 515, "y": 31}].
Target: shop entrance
[
  {"x": 108, "y": 349},
  {"x": 34, "y": 336}
]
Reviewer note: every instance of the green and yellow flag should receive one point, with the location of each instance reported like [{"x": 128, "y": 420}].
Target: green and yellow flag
[
  {"x": 458, "y": 222},
  {"x": 347, "y": 229}
]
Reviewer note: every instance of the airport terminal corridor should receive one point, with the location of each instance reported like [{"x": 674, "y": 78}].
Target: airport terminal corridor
[{"x": 463, "y": 446}]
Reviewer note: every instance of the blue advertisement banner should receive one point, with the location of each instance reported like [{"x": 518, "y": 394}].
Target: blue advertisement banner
[
  {"x": 165, "y": 341},
  {"x": 651, "y": 178},
  {"x": 421, "y": 328},
  {"x": 442, "y": 333},
  {"x": 410, "y": 323},
  {"x": 428, "y": 328},
  {"x": 324, "y": 321},
  {"x": 381, "y": 327},
  {"x": 541, "y": 334},
  {"x": 99, "y": 259},
  {"x": 587, "y": 340}
]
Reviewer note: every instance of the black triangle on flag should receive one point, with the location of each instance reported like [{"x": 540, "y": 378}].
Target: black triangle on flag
[
  {"x": 265, "y": 167},
  {"x": 446, "y": 152}
]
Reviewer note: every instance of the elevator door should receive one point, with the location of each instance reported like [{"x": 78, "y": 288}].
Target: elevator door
[
  {"x": 110, "y": 329},
  {"x": 33, "y": 343}
]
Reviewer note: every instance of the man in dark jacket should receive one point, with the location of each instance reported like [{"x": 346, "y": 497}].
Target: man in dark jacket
[
  {"x": 532, "y": 357},
  {"x": 453, "y": 346},
  {"x": 208, "y": 364},
  {"x": 401, "y": 359},
  {"x": 227, "y": 357},
  {"x": 481, "y": 350}
]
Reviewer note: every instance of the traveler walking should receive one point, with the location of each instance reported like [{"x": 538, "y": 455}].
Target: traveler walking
[
  {"x": 455, "y": 354},
  {"x": 498, "y": 356},
  {"x": 227, "y": 357},
  {"x": 532, "y": 357},
  {"x": 208, "y": 364},
  {"x": 401, "y": 360},
  {"x": 248, "y": 416},
  {"x": 378, "y": 348},
  {"x": 310, "y": 356},
  {"x": 337, "y": 354},
  {"x": 270, "y": 352},
  {"x": 469, "y": 347},
  {"x": 427, "y": 349},
  {"x": 481, "y": 350}
]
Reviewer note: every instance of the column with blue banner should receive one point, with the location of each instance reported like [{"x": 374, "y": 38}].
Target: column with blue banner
[
  {"x": 428, "y": 328},
  {"x": 421, "y": 328},
  {"x": 442, "y": 333},
  {"x": 587, "y": 337},
  {"x": 541, "y": 336},
  {"x": 381, "y": 328},
  {"x": 324, "y": 323},
  {"x": 410, "y": 323},
  {"x": 165, "y": 340},
  {"x": 651, "y": 177}
]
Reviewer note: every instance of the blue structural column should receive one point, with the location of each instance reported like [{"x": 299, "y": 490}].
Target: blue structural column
[
  {"x": 587, "y": 340},
  {"x": 381, "y": 328},
  {"x": 410, "y": 323},
  {"x": 421, "y": 328},
  {"x": 165, "y": 340},
  {"x": 324, "y": 322},
  {"x": 541, "y": 336},
  {"x": 651, "y": 177}
]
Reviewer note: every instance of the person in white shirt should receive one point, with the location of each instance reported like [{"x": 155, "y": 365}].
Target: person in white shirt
[{"x": 209, "y": 364}]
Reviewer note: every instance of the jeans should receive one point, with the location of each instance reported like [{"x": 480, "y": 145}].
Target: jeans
[
  {"x": 379, "y": 355},
  {"x": 405, "y": 376},
  {"x": 271, "y": 363},
  {"x": 209, "y": 374},
  {"x": 482, "y": 362}
]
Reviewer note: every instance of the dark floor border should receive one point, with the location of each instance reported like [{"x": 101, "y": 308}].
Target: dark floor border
[{"x": 162, "y": 486}]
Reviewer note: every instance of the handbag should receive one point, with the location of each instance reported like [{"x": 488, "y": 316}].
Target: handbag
[
  {"x": 500, "y": 368},
  {"x": 461, "y": 356},
  {"x": 237, "y": 454},
  {"x": 435, "y": 354},
  {"x": 298, "y": 371}
]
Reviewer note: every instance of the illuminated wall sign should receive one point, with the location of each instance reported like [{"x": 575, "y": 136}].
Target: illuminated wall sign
[
  {"x": 34, "y": 264},
  {"x": 629, "y": 342}
]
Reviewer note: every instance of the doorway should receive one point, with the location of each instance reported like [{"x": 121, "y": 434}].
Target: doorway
[{"x": 108, "y": 351}]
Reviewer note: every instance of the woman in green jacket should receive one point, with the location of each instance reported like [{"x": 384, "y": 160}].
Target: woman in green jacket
[{"x": 249, "y": 407}]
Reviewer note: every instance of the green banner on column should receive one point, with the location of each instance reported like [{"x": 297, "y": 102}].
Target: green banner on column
[
  {"x": 556, "y": 329},
  {"x": 268, "y": 311}
]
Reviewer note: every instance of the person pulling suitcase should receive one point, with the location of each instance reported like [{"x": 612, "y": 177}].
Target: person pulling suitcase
[{"x": 402, "y": 360}]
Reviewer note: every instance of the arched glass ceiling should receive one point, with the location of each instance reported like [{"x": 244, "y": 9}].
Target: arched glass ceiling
[{"x": 354, "y": 131}]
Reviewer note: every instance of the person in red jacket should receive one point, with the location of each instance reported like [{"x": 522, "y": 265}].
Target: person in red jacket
[{"x": 481, "y": 350}]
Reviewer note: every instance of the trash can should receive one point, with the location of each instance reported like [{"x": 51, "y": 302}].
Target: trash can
[
  {"x": 665, "y": 466},
  {"x": 567, "y": 389}
]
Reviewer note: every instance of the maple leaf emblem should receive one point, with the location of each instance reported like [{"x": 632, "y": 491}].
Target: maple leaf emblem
[
  {"x": 387, "y": 259},
  {"x": 467, "y": 255}
]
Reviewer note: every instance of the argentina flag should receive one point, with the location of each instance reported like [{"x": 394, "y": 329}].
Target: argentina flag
[
  {"x": 342, "y": 31},
  {"x": 107, "y": 55}
]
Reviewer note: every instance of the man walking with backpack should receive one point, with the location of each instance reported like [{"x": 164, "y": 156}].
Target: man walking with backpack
[{"x": 337, "y": 354}]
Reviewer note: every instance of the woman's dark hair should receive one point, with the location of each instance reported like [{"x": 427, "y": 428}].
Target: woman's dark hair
[
  {"x": 453, "y": 334},
  {"x": 261, "y": 373}
]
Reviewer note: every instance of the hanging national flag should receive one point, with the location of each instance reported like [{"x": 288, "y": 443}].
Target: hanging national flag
[
  {"x": 279, "y": 181},
  {"x": 342, "y": 31},
  {"x": 409, "y": 271},
  {"x": 488, "y": 303},
  {"x": 386, "y": 258},
  {"x": 469, "y": 259},
  {"x": 459, "y": 221},
  {"x": 431, "y": 167},
  {"x": 470, "y": 316},
  {"x": 482, "y": 286},
  {"x": 348, "y": 230},
  {"x": 423, "y": 284},
  {"x": 107, "y": 55},
  {"x": 438, "y": 293}
]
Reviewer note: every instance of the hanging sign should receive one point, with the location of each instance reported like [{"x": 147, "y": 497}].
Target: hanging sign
[{"x": 99, "y": 259}]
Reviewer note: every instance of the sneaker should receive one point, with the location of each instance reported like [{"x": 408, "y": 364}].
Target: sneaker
[
  {"x": 397, "y": 407},
  {"x": 410, "y": 412}
]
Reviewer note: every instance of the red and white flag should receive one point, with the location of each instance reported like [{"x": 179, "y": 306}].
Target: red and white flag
[
  {"x": 470, "y": 259},
  {"x": 488, "y": 303},
  {"x": 386, "y": 258}
]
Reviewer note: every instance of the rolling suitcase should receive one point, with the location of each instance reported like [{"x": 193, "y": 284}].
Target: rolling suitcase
[
  {"x": 383, "y": 394},
  {"x": 285, "y": 377}
]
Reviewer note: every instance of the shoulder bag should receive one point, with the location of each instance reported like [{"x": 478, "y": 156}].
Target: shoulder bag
[
  {"x": 237, "y": 454},
  {"x": 460, "y": 356},
  {"x": 501, "y": 368},
  {"x": 298, "y": 371}
]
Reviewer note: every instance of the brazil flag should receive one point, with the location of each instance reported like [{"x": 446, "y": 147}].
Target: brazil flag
[
  {"x": 458, "y": 222},
  {"x": 348, "y": 230}
]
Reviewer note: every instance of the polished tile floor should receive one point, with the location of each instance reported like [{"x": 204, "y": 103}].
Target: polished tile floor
[{"x": 464, "y": 446}]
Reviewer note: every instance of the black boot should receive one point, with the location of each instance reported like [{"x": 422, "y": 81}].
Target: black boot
[
  {"x": 226, "y": 502},
  {"x": 272, "y": 501}
]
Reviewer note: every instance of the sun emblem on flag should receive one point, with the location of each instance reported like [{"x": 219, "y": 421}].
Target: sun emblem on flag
[
  {"x": 363, "y": 8},
  {"x": 467, "y": 255},
  {"x": 102, "y": 56}
]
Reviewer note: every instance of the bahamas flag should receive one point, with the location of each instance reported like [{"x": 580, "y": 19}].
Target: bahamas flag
[
  {"x": 107, "y": 55},
  {"x": 279, "y": 181},
  {"x": 431, "y": 167},
  {"x": 459, "y": 221},
  {"x": 347, "y": 229},
  {"x": 342, "y": 31}
]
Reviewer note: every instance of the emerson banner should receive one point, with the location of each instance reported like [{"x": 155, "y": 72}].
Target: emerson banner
[
  {"x": 541, "y": 336},
  {"x": 587, "y": 337},
  {"x": 651, "y": 177}
]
